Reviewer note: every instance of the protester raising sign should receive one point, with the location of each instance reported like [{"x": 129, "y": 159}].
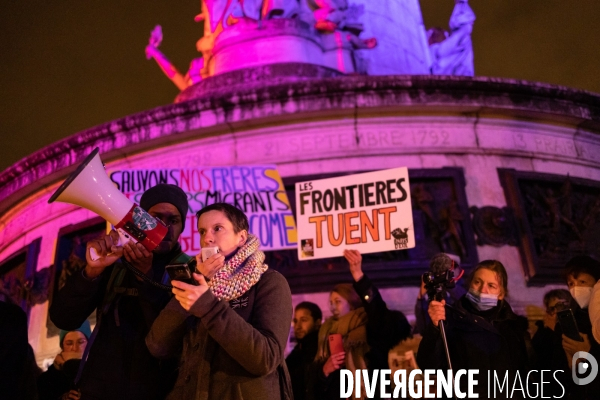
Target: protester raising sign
[
  {"x": 256, "y": 190},
  {"x": 368, "y": 212}
]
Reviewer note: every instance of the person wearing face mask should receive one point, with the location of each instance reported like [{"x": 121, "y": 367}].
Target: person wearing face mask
[
  {"x": 482, "y": 330},
  {"x": 230, "y": 330},
  {"x": 582, "y": 273}
]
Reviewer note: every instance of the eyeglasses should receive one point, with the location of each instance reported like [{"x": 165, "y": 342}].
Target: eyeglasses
[
  {"x": 72, "y": 343},
  {"x": 561, "y": 305},
  {"x": 551, "y": 310}
]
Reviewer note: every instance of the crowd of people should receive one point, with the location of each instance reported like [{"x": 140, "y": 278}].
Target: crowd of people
[{"x": 223, "y": 335}]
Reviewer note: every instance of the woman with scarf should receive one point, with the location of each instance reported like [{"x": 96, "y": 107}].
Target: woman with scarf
[
  {"x": 348, "y": 319},
  {"x": 231, "y": 329},
  {"x": 482, "y": 331}
]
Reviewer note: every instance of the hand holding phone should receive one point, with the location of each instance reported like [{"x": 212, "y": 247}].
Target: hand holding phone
[
  {"x": 336, "y": 343},
  {"x": 208, "y": 252},
  {"x": 181, "y": 272},
  {"x": 566, "y": 319}
]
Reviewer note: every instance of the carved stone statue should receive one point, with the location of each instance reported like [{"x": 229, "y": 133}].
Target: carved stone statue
[
  {"x": 423, "y": 200},
  {"x": 452, "y": 53},
  {"x": 181, "y": 81},
  {"x": 280, "y": 9},
  {"x": 229, "y": 12},
  {"x": 451, "y": 219},
  {"x": 338, "y": 15},
  {"x": 556, "y": 214}
]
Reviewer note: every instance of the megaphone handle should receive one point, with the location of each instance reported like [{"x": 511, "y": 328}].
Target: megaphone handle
[{"x": 124, "y": 238}]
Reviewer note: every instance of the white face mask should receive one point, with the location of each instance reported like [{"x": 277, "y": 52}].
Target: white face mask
[
  {"x": 582, "y": 295},
  {"x": 482, "y": 301}
]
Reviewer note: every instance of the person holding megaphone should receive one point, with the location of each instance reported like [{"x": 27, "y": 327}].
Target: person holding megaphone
[{"x": 117, "y": 363}]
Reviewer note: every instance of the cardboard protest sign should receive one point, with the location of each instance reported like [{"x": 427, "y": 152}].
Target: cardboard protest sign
[
  {"x": 368, "y": 212},
  {"x": 257, "y": 190}
]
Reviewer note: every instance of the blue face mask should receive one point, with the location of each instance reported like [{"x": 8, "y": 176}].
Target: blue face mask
[{"x": 482, "y": 301}]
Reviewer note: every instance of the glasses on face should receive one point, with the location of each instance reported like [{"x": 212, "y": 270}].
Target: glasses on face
[
  {"x": 80, "y": 342},
  {"x": 561, "y": 305},
  {"x": 551, "y": 310},
  {"x": 166, "y": 221}
]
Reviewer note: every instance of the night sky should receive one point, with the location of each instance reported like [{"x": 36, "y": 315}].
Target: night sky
[{"x": 70, "y": 65}]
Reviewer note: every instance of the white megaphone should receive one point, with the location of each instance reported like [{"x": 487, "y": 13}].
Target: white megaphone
[{"x": 91, "y": 188}]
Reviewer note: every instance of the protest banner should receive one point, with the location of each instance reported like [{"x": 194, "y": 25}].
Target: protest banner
[
  {"x": 256, "y": 190},
  {"x": 369, "y": 212}
]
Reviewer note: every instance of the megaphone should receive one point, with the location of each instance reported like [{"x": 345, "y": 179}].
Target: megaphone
[{"x": 91, "y": 188}]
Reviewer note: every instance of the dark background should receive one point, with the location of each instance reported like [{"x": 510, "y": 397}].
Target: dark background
[{"x": 70, "y": 65}]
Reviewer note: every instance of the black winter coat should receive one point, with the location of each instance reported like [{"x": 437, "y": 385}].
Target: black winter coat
[
  {"x": 559, "y": 361},
  {"x": 119, "y": 365},
  {"x": 299, "y": 362},
  {"x": 494, "y": 340}
]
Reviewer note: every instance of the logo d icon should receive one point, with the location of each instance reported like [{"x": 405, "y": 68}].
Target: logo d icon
[{"x": 583, "y": 366}]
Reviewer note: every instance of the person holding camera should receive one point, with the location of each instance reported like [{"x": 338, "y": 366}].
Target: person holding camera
[
  {"x": 230, "y": 330},
  {"x": 119, "y": 365},
  {"x": 481, "y": 329},
  {"x": 574, "y": 334}
]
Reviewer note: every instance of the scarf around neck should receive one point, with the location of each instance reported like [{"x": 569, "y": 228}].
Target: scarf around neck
[
  {"x": 351, "y": 326},
  {"x": 240, "y": 272}
]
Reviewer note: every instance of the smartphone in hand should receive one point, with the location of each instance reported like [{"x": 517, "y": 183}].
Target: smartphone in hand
[
  {"x": 208, "y": 252},
  {"x": 180, "y": 272},
  {"x": 566, "y": 319},
  {"x": 336, "y": 344}
]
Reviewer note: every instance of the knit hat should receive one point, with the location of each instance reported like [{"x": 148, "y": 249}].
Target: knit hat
[
  {"x": 166, "y": 193},
  {"x": 84, "y": 328}
]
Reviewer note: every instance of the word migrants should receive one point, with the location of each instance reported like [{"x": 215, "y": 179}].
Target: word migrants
[{"x": 256, "y": 190}]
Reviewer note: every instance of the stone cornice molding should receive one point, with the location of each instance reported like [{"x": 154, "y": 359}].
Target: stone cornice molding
[{"x": 218, "y": 105}]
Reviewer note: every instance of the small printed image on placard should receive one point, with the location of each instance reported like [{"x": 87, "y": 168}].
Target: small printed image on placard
[
  {"x": 400, "y": 238},
  {"x": 308, "y": 249}
]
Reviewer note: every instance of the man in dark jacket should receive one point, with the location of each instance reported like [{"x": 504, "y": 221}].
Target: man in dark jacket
[
  {"x": 307, "y": 321},
  {"x": 119, "y": 365}
]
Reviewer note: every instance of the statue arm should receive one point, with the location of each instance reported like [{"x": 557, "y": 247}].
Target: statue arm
[{"x": 167, "y": 67}]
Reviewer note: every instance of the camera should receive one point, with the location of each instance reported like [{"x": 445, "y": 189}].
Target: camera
[{"x": 437, "y": 284}]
